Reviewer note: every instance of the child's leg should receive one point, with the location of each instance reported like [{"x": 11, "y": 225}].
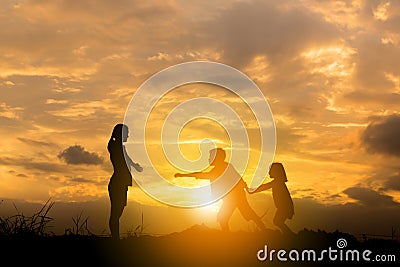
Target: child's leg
[{"x": 279, "y": 220}]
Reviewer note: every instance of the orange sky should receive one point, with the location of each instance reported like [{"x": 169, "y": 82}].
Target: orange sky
[{"x": 329, "y": 70}]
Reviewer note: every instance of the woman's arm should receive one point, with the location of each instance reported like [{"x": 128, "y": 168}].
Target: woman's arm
[
  {"x": 137, "y": 166},
  {"x": 132, "y": 163}
]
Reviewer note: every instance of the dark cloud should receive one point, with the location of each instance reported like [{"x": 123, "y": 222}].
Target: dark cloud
[
  {"x": 78, "y": 155},
  {"x": 44, "y": 166},
  {"x": 369, "y": 197},
  {"x": 81, "y": 180},
  {"x": 36, "y": 142},
  {"x": 361, "y": 97},
  {"x": 383, "y": 136},
  {"x": 393, "y": 183}
]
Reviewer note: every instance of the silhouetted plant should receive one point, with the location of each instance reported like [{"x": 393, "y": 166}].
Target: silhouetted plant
[
  {"x": 22, "y": 225},
  {"x": 80, "y": 226},
  {"x": 138, "y": 231}
]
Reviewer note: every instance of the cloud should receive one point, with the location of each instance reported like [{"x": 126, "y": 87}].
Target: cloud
[
  {"x": 382, "y": 136},
  {"x": 248, "y": 29},
  {"x": 64, "y": 38},
  {"x": 372, "y": 98},
  {"x": 369, "y": 197},
  {"x": 81, "y": 180},
  {"x": 36, "y": 142},
  {"x": 9, "y": 112},
  {"x": 32, "y": 164},
  {"x": 377, "y": 46},
  {"x": 287, "y": 138},
  {"x": 393, "y": 183},
  {"x": 78, "y": 155}
]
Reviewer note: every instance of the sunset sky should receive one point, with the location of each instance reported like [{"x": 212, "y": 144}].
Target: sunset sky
[{"x": 330, "y": 71}]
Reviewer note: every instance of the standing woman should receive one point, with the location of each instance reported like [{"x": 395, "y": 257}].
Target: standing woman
[{"x": 121, "y": 178}]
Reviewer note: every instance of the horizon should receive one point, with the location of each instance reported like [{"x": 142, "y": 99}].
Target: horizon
[{"x": 329, "y": 218}]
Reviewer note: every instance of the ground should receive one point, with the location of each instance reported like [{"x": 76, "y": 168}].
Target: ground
[{"x": 196, "y": 246}]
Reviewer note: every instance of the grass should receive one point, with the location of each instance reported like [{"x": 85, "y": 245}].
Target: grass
[
  {"x": 138, "y": 230},
  {"x": 25, "y": 226},
  {"x": 80, "y": 226},
  {"x": 38, "y": 225}
]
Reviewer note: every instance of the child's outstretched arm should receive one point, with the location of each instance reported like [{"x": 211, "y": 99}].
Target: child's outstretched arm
[{"x": 262, "y": 187}]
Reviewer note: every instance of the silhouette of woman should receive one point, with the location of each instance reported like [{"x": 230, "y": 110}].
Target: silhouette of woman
[
  {"x": 281, "y": 196},
  {"x": 121, "y": 177}
]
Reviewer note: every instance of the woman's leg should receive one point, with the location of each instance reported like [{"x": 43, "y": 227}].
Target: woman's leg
[
  {"x": 118, "y": 201},
  {"x": 115, "y": 215}
]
